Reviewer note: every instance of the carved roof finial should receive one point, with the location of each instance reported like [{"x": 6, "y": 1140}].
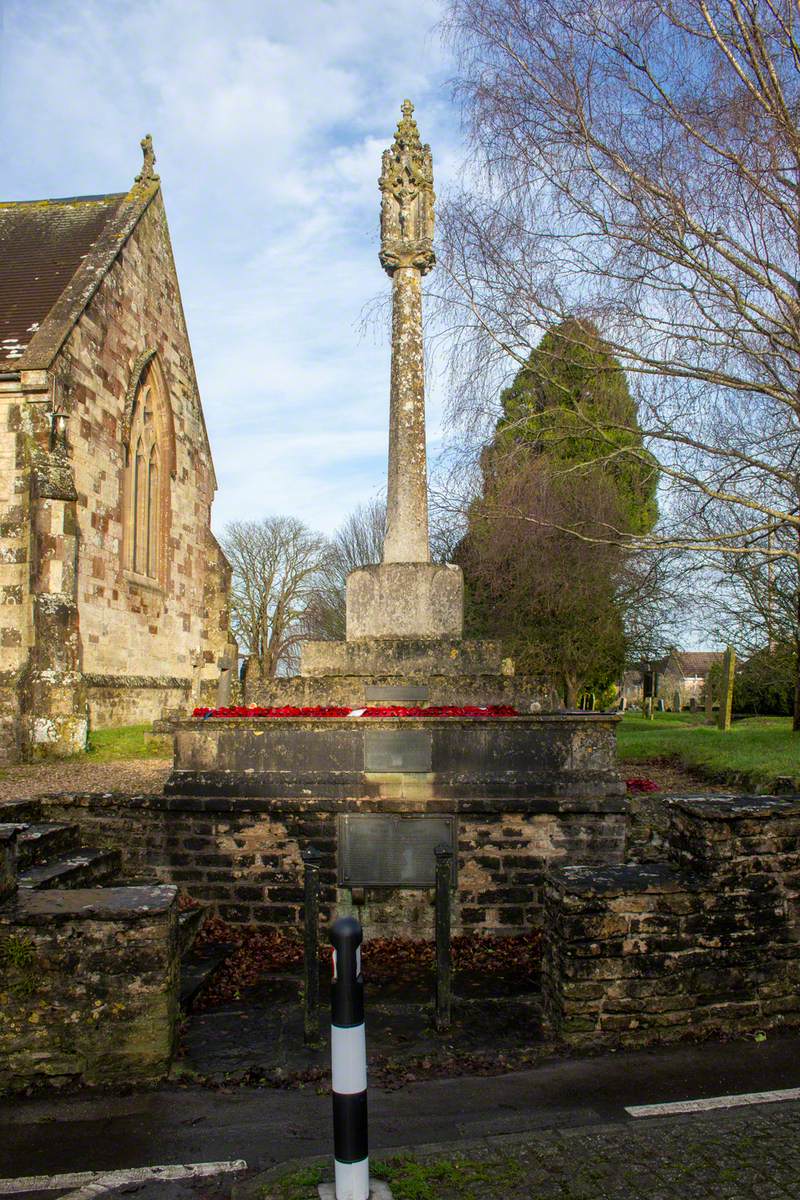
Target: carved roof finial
[
  {"x": 147, "y": 174},
  {"x": 407, "y": 135}
]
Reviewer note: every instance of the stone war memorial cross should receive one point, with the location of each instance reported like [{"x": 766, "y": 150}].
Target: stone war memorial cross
[
  {"x": 406, "y": 594},
  {"x": 406, "y": 255},
  {"x": 501, "y": 792}
]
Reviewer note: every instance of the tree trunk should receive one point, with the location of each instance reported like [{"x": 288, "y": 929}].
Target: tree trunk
[
  {"x": 570, "y": 691},
  {"x": 796, "y": 718},
  {"x": 796, "y": 714}
]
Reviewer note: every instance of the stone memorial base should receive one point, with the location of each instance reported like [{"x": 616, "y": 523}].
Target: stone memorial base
[
  {"x": 409, "y": 670},
  {"x": 409, "y": 657},
  {"x": 405, "y": 599}
]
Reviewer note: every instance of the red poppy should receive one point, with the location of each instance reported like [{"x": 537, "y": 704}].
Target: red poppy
[{"x": 390, "y": 710}]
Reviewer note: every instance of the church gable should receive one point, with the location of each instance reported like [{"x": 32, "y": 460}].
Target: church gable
[{"x": 105, "y": 385}]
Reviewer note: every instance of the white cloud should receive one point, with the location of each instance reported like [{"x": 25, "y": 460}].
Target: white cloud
[{"x": 268, "y": 120}]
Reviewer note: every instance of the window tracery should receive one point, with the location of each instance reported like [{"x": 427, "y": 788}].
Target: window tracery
[{"x": 147, "y": 498}]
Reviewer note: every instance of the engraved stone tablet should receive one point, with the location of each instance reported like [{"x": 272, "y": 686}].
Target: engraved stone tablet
[
  {"x": 396, "y": 695},
  {"x": 391, "y": 849},
  {"x": 397, "y": 750}
]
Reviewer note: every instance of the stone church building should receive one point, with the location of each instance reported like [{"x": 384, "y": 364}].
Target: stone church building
[{"x": 113, "y": 589}]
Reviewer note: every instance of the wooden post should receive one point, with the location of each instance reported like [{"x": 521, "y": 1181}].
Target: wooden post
[
  {"x": 311, "y": 860},
  {"x": 726, "y": 695},
  {"x": 444, "y": 858}
]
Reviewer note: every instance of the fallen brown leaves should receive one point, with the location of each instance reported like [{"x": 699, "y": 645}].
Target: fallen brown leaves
[{"x": 482, "y": 965}]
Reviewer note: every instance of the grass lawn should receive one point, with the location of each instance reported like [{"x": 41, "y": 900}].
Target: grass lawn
[
  {"x": 751, "y": 755},
  {"x": 126, "y": 742}
]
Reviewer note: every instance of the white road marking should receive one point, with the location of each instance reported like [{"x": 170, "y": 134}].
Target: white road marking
[
  {"x": 109, "y": 1179},
  {"x": 690, "y": 1106}
]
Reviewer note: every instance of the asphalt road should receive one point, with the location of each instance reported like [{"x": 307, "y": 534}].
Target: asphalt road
[{"x": 172, "y": 1124}]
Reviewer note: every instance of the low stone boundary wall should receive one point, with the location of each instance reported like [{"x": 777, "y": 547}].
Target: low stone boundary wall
[
  {"x": 89, "y": 983},
  {"x": 242, "y": 855},
  {"x": 708, "y": 942},
  {"x": 134, "y": 699}
]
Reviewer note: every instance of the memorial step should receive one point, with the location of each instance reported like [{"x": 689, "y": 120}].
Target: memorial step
[
  {"x": 83, "y": 868},
  {"x": 197, "y": 970},
  {"x": 38, "y": 843},
  {"x": 16, "y": 812},
  {"x": 190, "y": 922}
]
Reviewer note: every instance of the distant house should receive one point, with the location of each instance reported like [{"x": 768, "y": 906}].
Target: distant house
[
  {"x": 681, "y": 672},
  {"x": 113, "y": 589}
]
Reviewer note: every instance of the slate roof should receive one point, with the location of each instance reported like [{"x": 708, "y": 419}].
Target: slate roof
[
  {"x": 698, "y": 662},
  {"x": 690, "y": 663},
  {"x": 54, "y": 254},
  {"x": 42, "y": 244}
]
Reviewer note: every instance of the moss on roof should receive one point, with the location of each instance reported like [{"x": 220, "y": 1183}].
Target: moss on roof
[{"x": 42, "y": 244}]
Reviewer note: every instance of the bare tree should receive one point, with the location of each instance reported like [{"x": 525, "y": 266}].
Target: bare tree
[
  {"x": 638, "y": 164},
  {"x": 278, "y": 564},
  {"x": 750, "y": 599},
  {"x": 357, "y": 542}
]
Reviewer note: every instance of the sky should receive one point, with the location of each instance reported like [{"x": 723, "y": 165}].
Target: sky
[{"x": 268, "y": 120}]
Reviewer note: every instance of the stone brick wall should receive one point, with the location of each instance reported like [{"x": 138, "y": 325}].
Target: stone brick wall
[
  {"x": 15, "y": 612},
  {"x": 134, "y": 699},
  {"x": 88, "y": 986},
  {"x": 243, "y": 855},
  {"x": 706, "y": 943}
]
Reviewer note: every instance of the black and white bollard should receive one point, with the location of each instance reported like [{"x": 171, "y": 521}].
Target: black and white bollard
[{"x": 349, "y": 1063}]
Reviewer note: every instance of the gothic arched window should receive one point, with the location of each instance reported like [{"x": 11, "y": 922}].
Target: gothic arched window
[{"x": 147, "y": 487}]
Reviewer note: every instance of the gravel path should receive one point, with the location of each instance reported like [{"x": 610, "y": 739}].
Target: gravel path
[
  {"x": 75, "y": 775},
  {"x": 150, "y": 774}
]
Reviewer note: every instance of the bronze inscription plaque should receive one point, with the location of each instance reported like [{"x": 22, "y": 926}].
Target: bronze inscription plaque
[
  {"x": 391, "y": 849},
  {"x": 397, "y": 750}
]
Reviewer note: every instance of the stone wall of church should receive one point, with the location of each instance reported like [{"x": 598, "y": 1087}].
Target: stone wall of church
[
  {"x": 131, "y": 627},
  {"x": 134, "y": 699},
  {"x": 15, "y": 537}
]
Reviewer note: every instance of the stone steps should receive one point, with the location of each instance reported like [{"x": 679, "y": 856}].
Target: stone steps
[
  {"x": 198, "y": 967},
  {"x": 190, "y": 922},
  {"x": 197, "y": 970},
  {"x": 24, "y": 812},
  {"x": 52, "y": 864},
  {"x": 83, "y": 868},
  {"x": 38, "y": 843}
]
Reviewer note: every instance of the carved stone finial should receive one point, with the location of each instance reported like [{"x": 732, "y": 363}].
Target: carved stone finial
[
  {"x": 406, "y": 185},
  {"x": 147, "y": 174}
]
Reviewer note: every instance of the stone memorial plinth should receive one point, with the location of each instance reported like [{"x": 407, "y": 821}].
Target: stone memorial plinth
[{"x": 549, "y": 755}]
